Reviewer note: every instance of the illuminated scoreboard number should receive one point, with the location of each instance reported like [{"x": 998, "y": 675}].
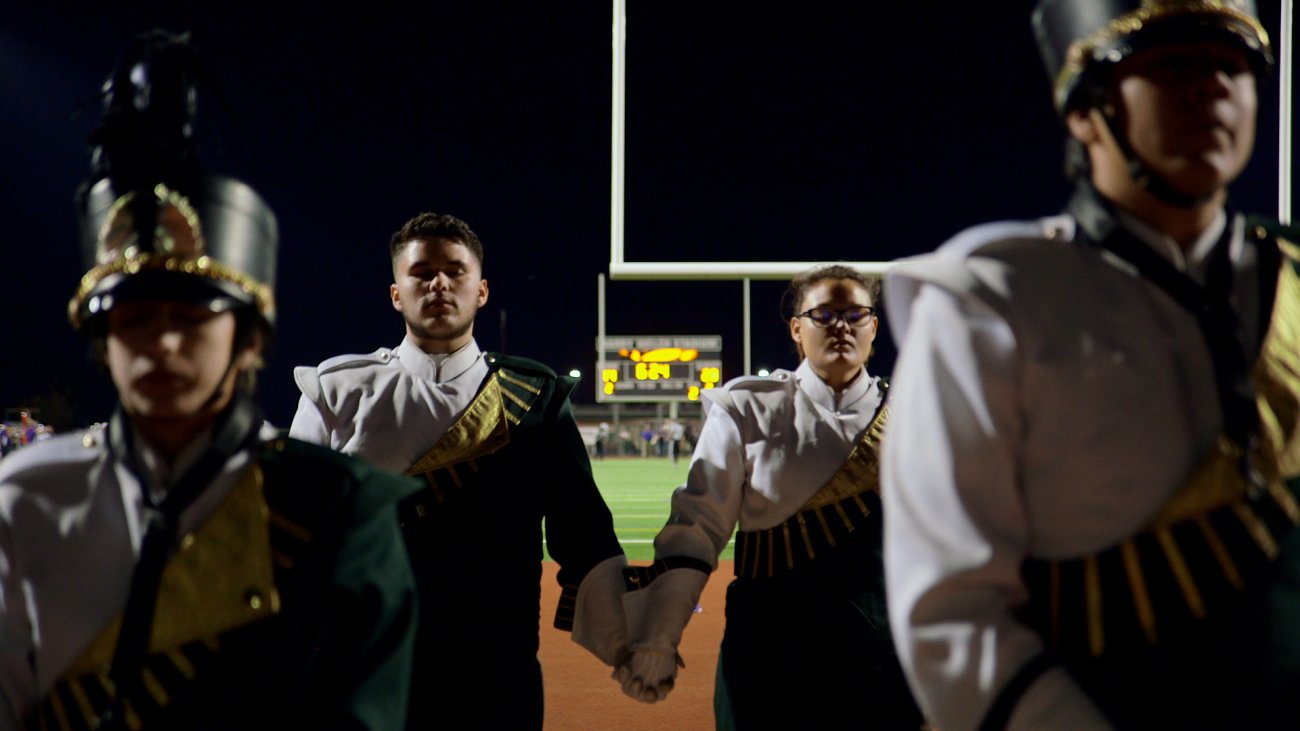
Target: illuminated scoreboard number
[
  {"x": 653, "y": 371},
  {"x": 659, "y": 368},
  {"x": 709, "y": 377}
]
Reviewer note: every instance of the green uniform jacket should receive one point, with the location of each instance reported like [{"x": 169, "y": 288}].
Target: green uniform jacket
[
  {"x": 306, "y": 546},
  {"x": 513, "y": 459}
]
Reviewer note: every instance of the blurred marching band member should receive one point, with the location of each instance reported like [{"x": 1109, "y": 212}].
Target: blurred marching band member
[
  {"x": 185, "y": 567},
  {"x": 1090, "y": 487}
]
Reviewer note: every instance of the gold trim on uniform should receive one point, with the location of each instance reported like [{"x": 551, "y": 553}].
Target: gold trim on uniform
[
  {"x": 859, "y": 475},
  {"x": 1186, "y": 584},
  {"x": 789, "y": 550},
  {"x": 203, "y": 266},
  {"x": 204, "y": 591},
  {"x": 1080, "y": 51},
  {"x": 517, "y": 401},
  {"x": 1220, "y": 551},
  {"x": 296, "y": 531},
  {"x": 522, "y": 384},
  {"x": 1092, "y": 580},
  {"x": 155, "y": 688},
  {"x": 1216, "y": 488},
  {"x": 1276, "y": 377},
  {"x": 830, "y": 537},
  {"x": 1138, "y": 588},
  {"x": 181, "y": 663},
  {"x": 178, "y": 230},
  {"x": 861, "y": 471},
  {"x": 199, "y": 595},
  {"x": 480, "y": 430},
  {"x": 133, "y": 721},
  {"x": 179, "y": 244}
]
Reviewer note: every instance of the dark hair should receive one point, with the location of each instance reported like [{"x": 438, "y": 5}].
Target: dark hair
[
  {"x": 1090, "y": 94},
  {"x": 428, "y": 226},
  {"x": 804, "y": 281}
]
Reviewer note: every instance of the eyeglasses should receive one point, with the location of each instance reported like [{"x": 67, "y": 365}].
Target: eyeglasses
[{"x": 859, "y": 316}]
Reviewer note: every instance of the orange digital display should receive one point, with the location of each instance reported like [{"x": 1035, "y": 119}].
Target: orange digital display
[{"x": 658, "y": 367}]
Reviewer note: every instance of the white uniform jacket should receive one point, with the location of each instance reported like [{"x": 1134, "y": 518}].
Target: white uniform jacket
[
  {"x": 767, "y": 445},
  {"x": 71, "y": 525},
  {"x": 1048, "y": 401},
  {"x": 389, "y": 407}
]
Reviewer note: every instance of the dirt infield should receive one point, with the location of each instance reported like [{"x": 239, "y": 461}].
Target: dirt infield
[{"x": 580, "y": 696}]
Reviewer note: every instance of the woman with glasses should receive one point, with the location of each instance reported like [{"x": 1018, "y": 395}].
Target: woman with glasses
[{"x": 791, "y": 459}]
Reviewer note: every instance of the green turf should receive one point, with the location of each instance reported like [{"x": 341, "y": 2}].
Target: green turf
[{"x": 638, "y": 491}]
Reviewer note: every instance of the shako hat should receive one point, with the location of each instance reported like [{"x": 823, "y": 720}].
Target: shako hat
[
  {"x": 154, "y": 226},
  {"x": 1079, "y": 38}
]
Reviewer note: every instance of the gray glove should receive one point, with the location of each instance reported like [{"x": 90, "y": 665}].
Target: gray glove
[
  {"x": 598, "y": 621},
  {"x": 649, "y": 675},
  {"x": 656, "y": 617}
]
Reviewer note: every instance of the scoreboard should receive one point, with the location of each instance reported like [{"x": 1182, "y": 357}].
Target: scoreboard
[{"x": 657, "y": 367}]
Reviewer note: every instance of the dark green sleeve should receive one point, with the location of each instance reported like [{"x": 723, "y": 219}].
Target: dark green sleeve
[
  {"x": 579, "y": 527},
  {"x": 349, "y": 594},
  {"x": 371, "y": 682}
]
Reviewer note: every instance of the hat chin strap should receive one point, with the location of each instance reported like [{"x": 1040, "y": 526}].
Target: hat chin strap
[
  {"x": 243, "y": 340},
  {"x": 1142, "y": 174},
  {"x": 216, "y": 392}
]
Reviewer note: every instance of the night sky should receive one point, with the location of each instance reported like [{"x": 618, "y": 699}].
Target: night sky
[{"x": 803, "y": 131}]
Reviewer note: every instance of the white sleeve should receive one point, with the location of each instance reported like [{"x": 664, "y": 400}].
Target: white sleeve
[
  {"x": 17, "y": 676},
  {"x": 955, "y": 525},
  {"x": 705, "y": 509},
  {"x": 309, "y": 422}
]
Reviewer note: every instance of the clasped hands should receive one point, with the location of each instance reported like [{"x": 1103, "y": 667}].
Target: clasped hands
[{"x": 649, "y": 674}]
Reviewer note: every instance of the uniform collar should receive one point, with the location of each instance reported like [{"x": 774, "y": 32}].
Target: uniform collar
[
  {"x": 154, "y": 468},
  {"x": 848, "y": 401},
  {"x": 1098, "y": 218},
  {"x": 439, "y": 368},
  {"x": 1194, "y": 260}
]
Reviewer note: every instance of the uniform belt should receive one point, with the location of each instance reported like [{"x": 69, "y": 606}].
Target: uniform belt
[
  {"x": 805, "y": 537},
  {"x": 1160, "y": 581}
]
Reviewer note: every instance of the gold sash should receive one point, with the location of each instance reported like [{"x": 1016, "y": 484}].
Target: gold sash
[
  {"x": 222, "y": 578},
  {"x": 843, "y": 505},
  {"x": 481, "y": 430},
  {"x": 1212, "y": 533}
]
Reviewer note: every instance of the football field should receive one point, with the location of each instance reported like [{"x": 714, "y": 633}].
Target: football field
[{"x": 638, "y": 491}]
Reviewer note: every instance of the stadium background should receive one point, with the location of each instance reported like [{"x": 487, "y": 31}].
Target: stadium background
[{"x": 810, "y": 131}]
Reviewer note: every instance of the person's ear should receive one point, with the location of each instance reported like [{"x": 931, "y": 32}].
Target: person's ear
[
  {"x": 796, "y": 334},
  {"x": 250, "y": 358},
  {"x": 1084, "y": 125}
]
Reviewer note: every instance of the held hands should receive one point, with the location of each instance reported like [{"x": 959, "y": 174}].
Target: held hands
[
  {"x": 598, "y": 622},
  {"x": 656, "y": 616},
  {"x": 649, "y": 675}
]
